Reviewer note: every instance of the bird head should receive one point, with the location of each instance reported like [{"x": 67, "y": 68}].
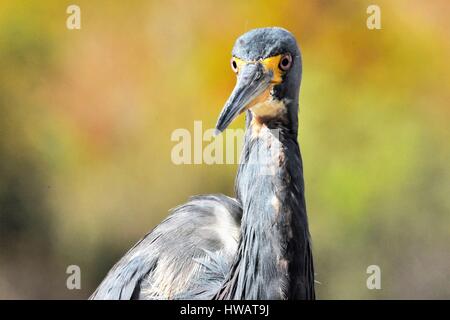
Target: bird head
[{"x": 268, "y": 67}]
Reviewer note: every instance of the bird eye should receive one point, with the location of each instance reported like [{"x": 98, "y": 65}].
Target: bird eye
[
  {"x": 285, "y": 62},
  {"x": 234, "y": 66}
]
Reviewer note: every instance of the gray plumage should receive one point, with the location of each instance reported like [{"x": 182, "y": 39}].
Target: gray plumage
[
  {"x": 256, "y": 246},
  {"x": 168, "y": 262},
  {"x": 265, "y": 42}
]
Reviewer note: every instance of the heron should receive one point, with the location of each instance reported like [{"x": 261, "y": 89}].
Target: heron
[{"x": 256, "y": 246}]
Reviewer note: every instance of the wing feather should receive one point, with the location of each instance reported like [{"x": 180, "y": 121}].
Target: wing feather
[{"x": 185, "y": 257}]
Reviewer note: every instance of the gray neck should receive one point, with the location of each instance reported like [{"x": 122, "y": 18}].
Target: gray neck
[{"x": 274, "y": 256}]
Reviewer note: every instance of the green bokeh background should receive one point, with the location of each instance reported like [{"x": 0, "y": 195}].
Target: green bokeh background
[{"x": 86, "y": 118}]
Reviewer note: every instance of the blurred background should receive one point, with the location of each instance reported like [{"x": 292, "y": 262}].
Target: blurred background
[{"x": 86, "y": 118}]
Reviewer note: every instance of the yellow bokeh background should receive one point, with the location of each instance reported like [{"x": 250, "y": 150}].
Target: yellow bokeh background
[{"x": 86, "y": 118}]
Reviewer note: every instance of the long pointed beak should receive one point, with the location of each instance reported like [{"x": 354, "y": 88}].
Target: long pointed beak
[{"x": 252, "y": 81}]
